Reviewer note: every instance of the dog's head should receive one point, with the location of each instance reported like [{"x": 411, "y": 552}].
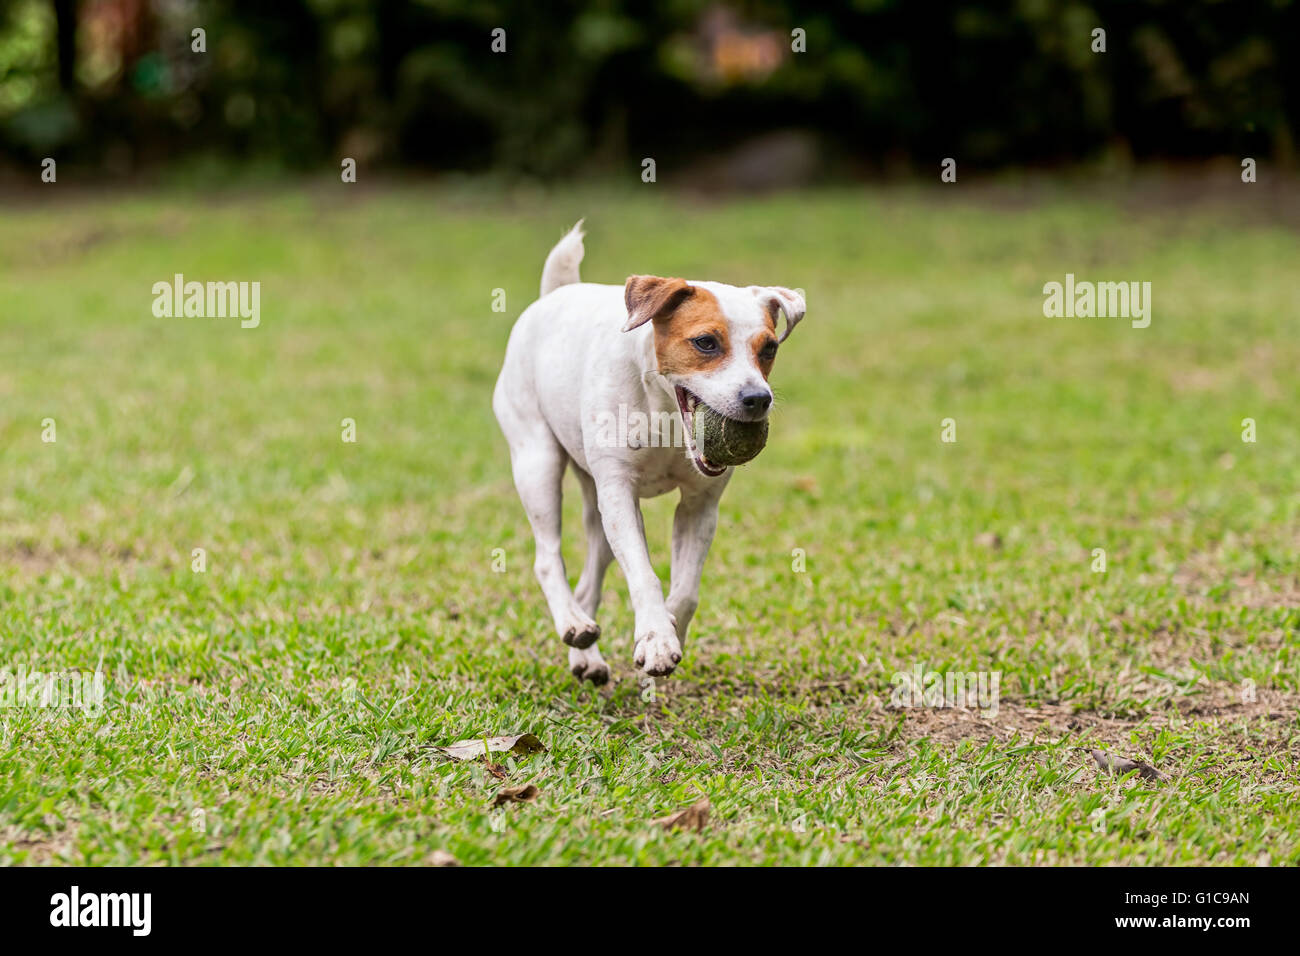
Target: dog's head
[{"x": 714, "y": 343}]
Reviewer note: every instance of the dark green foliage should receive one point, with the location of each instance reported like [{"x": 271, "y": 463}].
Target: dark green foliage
[{"x": 600, "y": 85}]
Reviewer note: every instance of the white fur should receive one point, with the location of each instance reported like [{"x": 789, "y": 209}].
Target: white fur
[
  {"x": 562, "y": 264},
  {"x": 567, "y": 362}
]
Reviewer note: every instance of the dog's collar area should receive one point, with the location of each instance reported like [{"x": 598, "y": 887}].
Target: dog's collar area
[{"x": 686, "y": 403}]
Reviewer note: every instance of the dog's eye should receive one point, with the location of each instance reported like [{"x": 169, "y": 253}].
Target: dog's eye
[
  {"x": 705, "y": 343},
  {"x": 768, "y": 352}
]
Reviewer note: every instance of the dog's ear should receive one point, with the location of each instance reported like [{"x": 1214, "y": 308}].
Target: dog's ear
[
  {"x": 650, "y": 297},
  {"x": 776, "y": 298}
]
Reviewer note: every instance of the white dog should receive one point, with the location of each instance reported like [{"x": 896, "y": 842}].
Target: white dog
[{"x": 657, "y": 347}]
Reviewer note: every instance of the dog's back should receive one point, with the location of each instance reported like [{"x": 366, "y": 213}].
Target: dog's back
[{"x": 546, "y": 363}]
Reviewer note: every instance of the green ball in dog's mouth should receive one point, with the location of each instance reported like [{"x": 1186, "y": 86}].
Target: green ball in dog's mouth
[{"x": 725, "y": 441}]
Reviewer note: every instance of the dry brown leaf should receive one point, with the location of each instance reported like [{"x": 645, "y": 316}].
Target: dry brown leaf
[
  {"x": 442, "y": 858},
  {"x": 519, "y": 744},
  {"x": 515, "y": 795},
  {"x": 1122, "y": 765},
  {"x": 694, "y": 817}
]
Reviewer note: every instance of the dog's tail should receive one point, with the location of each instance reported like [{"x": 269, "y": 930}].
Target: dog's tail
[{"x": 562, "y": 264}]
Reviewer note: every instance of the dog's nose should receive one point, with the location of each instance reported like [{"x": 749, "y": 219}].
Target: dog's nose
[{"x": 755, "y": 399}]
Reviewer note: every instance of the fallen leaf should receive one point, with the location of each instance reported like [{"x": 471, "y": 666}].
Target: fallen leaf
[
  {"x": 1122, "y": 765},
  {"x": 519, "y": 744},
  {"x": 694, "y": 817},
  {"x": 515, "y": 795},
  {"x": 989, "y": 539},
  {"x": 442, "y": 858}
]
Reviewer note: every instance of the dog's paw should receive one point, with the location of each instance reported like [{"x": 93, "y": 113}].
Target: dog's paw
[
  {"x": 579, "y": 631},
  {"x": 658, "y": 653},
  {"x": 587, "y": 664}
]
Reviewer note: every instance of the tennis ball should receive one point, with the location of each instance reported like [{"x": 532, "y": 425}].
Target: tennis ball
[{"x": 725, "y": 441}]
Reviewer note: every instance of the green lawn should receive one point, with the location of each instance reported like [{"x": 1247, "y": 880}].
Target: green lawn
[{"x": 350, "y": 619}]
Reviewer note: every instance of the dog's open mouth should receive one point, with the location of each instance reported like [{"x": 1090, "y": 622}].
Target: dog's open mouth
[{"x": 687, "y": 402}]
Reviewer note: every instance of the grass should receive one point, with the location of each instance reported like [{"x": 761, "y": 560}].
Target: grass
[{"x": 285, "y": 705}]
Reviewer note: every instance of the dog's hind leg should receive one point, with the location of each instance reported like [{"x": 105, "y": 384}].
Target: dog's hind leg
[
  {"x": 538, "y": 462},
  {"x": 599, "y": 554},
  {"x": 587, "y": 663}
]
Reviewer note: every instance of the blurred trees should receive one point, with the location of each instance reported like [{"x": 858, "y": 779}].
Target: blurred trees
[{"x": 586, "y": 85}]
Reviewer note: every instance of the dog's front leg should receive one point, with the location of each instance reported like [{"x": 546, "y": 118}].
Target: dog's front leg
[
  {"x": 694, "y": 523},
  {"x": 657, "y": 648}
]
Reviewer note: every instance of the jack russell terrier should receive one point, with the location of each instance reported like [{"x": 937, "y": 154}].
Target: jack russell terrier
[{"x": 659, "y": 347}]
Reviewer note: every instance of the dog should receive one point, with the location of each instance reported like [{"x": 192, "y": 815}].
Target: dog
[{"x": 658, "y": 347}]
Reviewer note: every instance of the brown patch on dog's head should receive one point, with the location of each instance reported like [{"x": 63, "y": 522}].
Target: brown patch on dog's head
[
  {"x": 686, "y": 318},
  {"x": 682, "y": 337},
  {"x": 764, "y": 347},
  {"x": 651, "y": 297}
]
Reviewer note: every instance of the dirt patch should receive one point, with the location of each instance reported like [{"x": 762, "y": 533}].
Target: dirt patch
[
  {"x": 1204, "y": 573},
  {"x": 42, "y": 849},
  {"x": 1058, "y": 720},
  {"x": 34, "y": 559},
  {"x": 1245, "y": 719}
]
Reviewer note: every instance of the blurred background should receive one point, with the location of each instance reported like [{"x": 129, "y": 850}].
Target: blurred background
[
  {"x": 719, "y": 91},
  {"x": 131, "y": 442}
]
